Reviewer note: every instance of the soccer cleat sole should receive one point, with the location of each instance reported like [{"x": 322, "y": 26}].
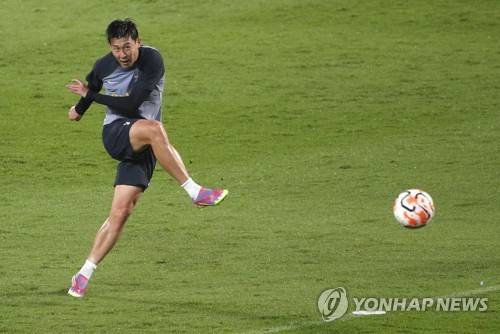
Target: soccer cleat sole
[{"x": 74, "y": 294}]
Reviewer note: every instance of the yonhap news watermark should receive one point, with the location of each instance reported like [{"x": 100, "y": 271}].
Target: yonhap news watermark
[
  {"x": 333, "y": 304},
  {"x": 447, "y": 304}
]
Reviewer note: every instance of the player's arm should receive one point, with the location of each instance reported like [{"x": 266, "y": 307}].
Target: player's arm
[
  {"x": 94, "y": 83},
  {"x": 123, "y": 105},
  {"x": 76, "y": 112}
]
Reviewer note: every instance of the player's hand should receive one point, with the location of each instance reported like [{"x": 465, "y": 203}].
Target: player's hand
[
  {"x": 73, "y": 115},
  {"x": 78, "y": 88}
]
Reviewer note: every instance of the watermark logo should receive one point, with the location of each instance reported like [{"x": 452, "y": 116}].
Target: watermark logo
[
  {"x": 332, "y": 304},
  {"x": 443, "y": 304}
]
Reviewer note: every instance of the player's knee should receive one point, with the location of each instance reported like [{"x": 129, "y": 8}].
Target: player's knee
[
  {"x": 156, "y": 127},
  {"x": 156, "y": 131},
  {"x": 121, "y": 213}
]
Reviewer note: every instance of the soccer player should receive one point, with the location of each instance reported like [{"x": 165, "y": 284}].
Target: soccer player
[{"x": 133, "y": 77}]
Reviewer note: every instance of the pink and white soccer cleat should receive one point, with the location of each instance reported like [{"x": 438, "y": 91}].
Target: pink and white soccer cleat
[
  {"x": 209, "y": 197},
  {"x": 79, "y": 286}
]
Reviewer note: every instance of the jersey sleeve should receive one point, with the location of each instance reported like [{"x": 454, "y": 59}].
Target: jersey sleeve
[
  {"x": 152, "y": 69},
  {"x": 94, "y": 84}
]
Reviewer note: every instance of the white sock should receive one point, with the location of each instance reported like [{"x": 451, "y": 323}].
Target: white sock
[
  {"x": 192, "y": 188},
  {"x": 88, "y": 269}
]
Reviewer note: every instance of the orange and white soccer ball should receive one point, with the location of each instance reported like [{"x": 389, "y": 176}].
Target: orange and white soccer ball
[{"x": 414, "y": 208}]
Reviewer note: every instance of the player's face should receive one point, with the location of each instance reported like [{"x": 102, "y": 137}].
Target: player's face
[{"x": 125, "y": 50}]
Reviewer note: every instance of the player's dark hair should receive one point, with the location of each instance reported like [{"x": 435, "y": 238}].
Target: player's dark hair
[{"x": 122, "y": 28}]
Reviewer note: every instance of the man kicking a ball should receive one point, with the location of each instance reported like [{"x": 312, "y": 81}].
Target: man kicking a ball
[{"x": 133, "y": 77}]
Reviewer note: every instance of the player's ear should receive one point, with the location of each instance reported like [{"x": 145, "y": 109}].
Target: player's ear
[{"x": 139, "y": 41}]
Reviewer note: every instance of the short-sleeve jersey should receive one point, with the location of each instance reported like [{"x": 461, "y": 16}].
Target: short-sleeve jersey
[{"x": 134, "y": 92}]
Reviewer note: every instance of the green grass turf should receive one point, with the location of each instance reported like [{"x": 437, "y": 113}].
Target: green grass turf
[{"x": 315, "y": 114}]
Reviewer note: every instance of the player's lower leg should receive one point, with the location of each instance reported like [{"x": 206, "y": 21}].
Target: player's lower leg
[
  {"x": 201, "y": 196},
  {"x": 124, "y": 201},
  {"x": 106, "y": 238}
]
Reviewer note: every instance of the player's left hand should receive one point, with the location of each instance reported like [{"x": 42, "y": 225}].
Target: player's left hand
[
  {"x": 73, "y": 115},
  {"x": 79, "y": 88}
]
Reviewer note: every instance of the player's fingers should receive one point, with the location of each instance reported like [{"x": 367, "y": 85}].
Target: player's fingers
[
  {"x": 73, "y": 88},
  {"x": 77, "y": 81}
]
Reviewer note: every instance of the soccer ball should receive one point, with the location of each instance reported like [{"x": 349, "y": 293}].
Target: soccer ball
[{"x": 414, "y": 208}]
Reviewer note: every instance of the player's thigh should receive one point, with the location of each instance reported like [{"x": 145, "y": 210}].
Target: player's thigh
[{"x": 144, "y": 132}]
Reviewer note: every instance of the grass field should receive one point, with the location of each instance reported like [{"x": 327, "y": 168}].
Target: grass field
[{"x": 314, "y": 114}]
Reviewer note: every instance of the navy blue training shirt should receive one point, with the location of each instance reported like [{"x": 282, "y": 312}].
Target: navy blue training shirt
[{"x": 134, "y": 92}]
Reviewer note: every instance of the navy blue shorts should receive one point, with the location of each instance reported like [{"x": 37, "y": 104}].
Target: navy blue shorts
[{"x": 135, "y": 168}]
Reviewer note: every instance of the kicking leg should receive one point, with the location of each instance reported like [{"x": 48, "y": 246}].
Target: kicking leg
[
  {"x": 147, "y": 133},
  {"x": 124, "y": 201}
]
